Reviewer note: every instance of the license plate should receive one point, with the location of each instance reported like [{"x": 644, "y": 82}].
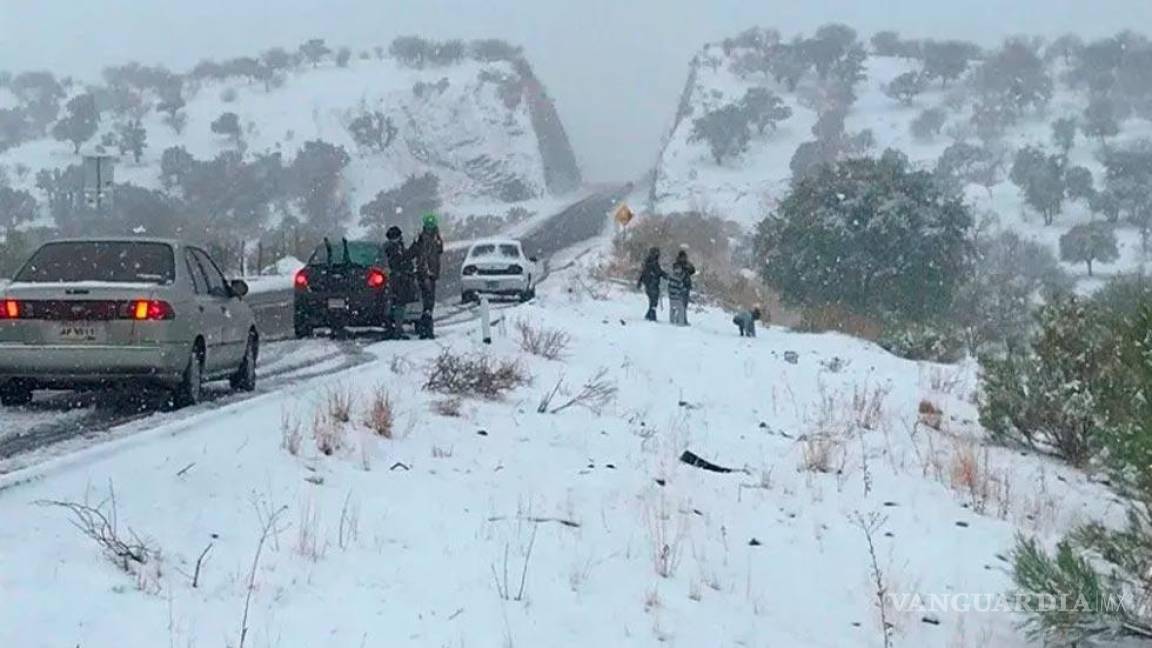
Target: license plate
[
  {"x": 81, "y": 332},
  {"x": 492, "y": 285},
  {"x": 338, "y": 304}
]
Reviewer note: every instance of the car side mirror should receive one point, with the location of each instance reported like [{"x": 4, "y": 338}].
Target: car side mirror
[{"x": 238, "y": 287}]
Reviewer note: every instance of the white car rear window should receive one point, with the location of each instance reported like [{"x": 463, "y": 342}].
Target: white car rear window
[{"x": 491, "y": 249}]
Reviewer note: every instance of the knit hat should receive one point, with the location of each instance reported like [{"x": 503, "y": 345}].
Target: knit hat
[
  {"x": 430, "y": 221},
  {"x": 393, "y": 233}
]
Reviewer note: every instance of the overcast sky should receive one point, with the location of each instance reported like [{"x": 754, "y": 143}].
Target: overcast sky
[{"x": 615, "y": 67}]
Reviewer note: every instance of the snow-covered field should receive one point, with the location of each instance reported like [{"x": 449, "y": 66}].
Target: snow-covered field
[
  {"x": 745, "y": 189},
  {"x": 503, "y": 526}
]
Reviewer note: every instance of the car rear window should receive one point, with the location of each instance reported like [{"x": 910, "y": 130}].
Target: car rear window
[
  {"x": 360, "y": 253},
  {"x": 488, "y": 249},
  {"x": 108, "y": 261}
]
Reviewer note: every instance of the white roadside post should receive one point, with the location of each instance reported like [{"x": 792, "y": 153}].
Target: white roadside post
[{"x": 485, "y": 322}]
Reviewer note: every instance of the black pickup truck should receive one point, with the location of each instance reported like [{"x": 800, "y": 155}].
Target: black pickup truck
[{"x": 344, "y": 284}]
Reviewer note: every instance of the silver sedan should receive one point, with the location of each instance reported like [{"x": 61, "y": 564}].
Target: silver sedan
[{"x": 98, "y": 313}]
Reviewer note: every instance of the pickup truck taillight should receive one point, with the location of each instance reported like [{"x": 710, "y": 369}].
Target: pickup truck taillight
[{"x": 301, "y": 280}]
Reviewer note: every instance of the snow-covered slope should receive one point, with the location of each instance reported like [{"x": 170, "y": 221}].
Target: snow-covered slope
[
  {"x": 481, "y": 127},
  {"x": 504, "y": 526},
  {"x": 746, "y": 187}
]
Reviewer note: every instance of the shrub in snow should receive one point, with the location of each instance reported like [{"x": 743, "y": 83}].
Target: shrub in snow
[
  {"x": 80, "y": 122},
  {"x": 871, "y": 235},
  {"x": 947, "y": 60},
  {"x": 1128, "y": 179},
  {"x": 380, "y": 417},
  {"x": 1015, "y": 76},
  {"x": 1041, "y": 179},
  {"x": 724, "y": 130},
  {"x": 1100, "y": 564},
  {"x": 962, "y": 163},
  {"x": 993, "y": 307},
  {"x": 131, "y": 137},
  {"x": 476, "y": 375},
  {"x": 314, "y": 50},
  {"x": 373, "y": 131},
  {"x": 547, "y": 343},
  {"x": 1049, "y": 392},
  {"x": 906, "y": 87},
  {"x": 928, "y": 124},
  {"x": 1089, "y": 242},
  {"x": 227, "y": 124},
  {"x": 402, "y": 205},
  {"x": 343, "y": 56},
  {"x": 1101, "y": 119},
  {"x": 1064, "y": 133},
  {"x": 934, "y": 343},
  {"x": 16, "y": 206}
]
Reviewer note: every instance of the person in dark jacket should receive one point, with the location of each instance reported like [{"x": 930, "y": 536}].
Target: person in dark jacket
[
  {"x": 679, "y": 288},
  {"x": 401, "y": 282},
  {"x": 746, "y": 322},
  {"x": 650, "y": 276},
  {"x": 428, "y": 249}
]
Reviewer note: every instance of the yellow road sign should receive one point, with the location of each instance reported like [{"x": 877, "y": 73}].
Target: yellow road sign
[{"x": 624, "y": 215}]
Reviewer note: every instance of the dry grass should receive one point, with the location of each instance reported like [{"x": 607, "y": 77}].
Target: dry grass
[
  {"x": 329, "y": 434},
  {"x": 448, "y": 407},
  {"x": 476, "y": 375},
  {"x": 971, "y": 475},
  {"x": 291, "y": 434},
  {"x": 380, "y": 417},
  {"x": 822, "y": 453},
  {"x": 101, "y": 525},
  {"x": 309, "y": 544},
  {"x": 666, "y": 540},
  {"x": 868, "y": 406},
  {"x": 821, "y": 319},
  {"x": 339, "y": 402},
  {"x": 551, "y": 344}
]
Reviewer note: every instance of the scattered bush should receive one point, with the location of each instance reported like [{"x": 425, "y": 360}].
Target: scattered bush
[
  {"x": 835, "y": 236},
  {"x": 1089, "y": 242},
  {"x": 380, "y": 417},
  {"x": 476, "y": 375},
  {"x": 547, "y": 343},
  {"x": 939, "y": 342}
]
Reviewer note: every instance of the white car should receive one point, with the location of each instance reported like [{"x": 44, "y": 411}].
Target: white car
[{"x": 498, "y": 267}]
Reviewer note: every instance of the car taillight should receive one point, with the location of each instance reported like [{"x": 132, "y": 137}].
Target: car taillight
[
  {"x": 301, "y": 280},
  {"x": 515, "y": 269},
  {"x": 151, "y": 310},
  {"x": 376, "y": 278},
  {"x": 9, "y": 309},
  {"x": 470, "y": 270}
]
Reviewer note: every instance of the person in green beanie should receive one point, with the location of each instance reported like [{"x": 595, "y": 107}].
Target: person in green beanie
[{"x": 428, "y": 249}]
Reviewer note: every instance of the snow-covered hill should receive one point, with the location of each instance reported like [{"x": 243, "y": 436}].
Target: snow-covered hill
[
  {"x": 486, "y": 523},
  {"x": 745, "y": 188},
  {"x": 487, "y": 129}
]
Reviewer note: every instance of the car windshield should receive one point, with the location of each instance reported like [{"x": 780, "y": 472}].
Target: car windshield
[
  {"x": 360, "y": 253},
  {"x": 106, "y": 261},
  {"x": 491, "y": 249}
]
